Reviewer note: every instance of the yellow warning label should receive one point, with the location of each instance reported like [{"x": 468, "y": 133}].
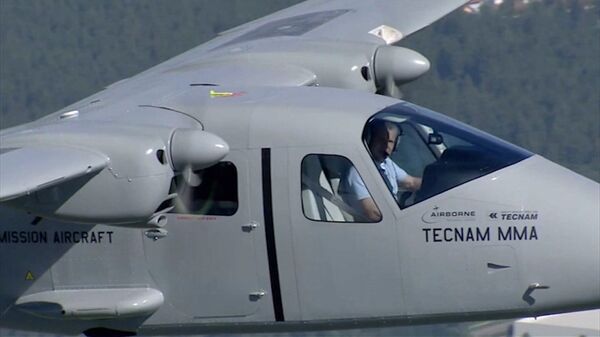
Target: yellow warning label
[
  {"x": 214, "y": 94},
  {"x": 29, "y": 276}
]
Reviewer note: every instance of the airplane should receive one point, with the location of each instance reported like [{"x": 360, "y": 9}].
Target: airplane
[{"x": 209, "y": 194}]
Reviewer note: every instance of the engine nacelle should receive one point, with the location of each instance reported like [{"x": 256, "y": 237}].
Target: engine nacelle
[{"x": 137, "y": 177}]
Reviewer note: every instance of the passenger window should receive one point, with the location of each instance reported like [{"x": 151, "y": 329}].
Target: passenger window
[
  {"x": 332, "y": 190},
  {"x": 211, "y": 191}
]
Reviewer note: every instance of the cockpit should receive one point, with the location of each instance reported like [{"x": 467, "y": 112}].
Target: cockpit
[
  {"x": 418, "y": 153},
  {"x": 442, "y": 152}
]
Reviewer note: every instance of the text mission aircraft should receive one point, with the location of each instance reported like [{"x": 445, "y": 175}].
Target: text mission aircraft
[{"x": 259, "y": 183}]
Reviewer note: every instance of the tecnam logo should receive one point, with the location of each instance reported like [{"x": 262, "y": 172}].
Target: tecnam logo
[
  {"x": 438, "y": 215},
  {"x": 513, "y": 215}
]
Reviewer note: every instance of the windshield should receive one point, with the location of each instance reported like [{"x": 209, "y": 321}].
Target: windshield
[{"x": 421, "y": 153}]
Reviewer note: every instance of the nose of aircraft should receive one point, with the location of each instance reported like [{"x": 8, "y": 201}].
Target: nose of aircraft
[{"x": 562, "y": 267}]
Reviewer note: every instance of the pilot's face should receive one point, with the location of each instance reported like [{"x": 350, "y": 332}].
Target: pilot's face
[
  {"x": 391, "y": 141},
  {"x": 383, "y": 143}
]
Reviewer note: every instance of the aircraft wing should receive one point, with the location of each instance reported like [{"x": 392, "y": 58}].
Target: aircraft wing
[
  {"x": 378, "y": 21},
  {"x": 312, "y": 43},
  {"x": 30, "y": 169}
]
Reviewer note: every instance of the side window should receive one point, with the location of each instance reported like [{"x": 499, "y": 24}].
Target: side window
[
  {"x": 211, "y": 191},
  {"x": 332, "y": 190}
]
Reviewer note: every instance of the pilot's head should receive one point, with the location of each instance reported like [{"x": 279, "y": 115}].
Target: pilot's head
[{"x": 383, "y": 138}]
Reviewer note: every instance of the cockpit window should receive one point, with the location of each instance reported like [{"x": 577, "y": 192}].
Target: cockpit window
[{"x": 421, "y": 153}]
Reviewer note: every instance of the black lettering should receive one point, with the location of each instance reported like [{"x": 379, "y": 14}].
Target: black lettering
[
  {"x": 470, "y": 236},
  {"x": 110, "y": 236},
  {"x": 426, "y": 230},
  {"x": 56, "y": 237},
  {"x": 76, "y": 237},
  {"x": 533, "y": 234},
  {"x": 459, "y": 234},
  {"x": 485, "y": 236},
  {"x": 67, "y": 237},
  {"x": 522, "y": 235},
  {"x": 504, "y": 237},
  {"x": 100, "y": 236},
  {"x": 93, "y": 238},
  {"x": 446, "y": 237},
  {"x": 23, "y": 237},
  {"x": 84, "y": 237},
  {"x": 436, "y": 235}
]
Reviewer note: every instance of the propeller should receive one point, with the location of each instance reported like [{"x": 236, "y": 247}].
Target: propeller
[
  {"x": 196, "y": 149},
  {"x": 193, "y": 150},
  {"x": 394, "y": 66}
]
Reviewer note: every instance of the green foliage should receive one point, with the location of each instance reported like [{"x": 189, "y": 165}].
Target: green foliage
[
  {"x": 55, "y": 52},
  {"x": 532, "y": 78}
]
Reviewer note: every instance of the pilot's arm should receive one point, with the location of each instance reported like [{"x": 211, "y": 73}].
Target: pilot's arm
[
  {"x": 370, "y": 209},
  {"x": 411, "y": 183},
  {"x": 406, "y": 181},
  {"x": 363, "y": 198}
]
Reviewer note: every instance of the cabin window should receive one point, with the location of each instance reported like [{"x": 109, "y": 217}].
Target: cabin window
[
  {"x": 429, "y": 153},
  {"x": 332, "y": 190},
  {"x": 211, "y": 191}
]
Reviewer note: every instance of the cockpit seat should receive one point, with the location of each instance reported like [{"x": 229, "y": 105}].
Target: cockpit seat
[{"x": 318, "y": 195}]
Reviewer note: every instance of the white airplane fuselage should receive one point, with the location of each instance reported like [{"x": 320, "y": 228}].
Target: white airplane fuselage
[{"x": 522, "y": 240}]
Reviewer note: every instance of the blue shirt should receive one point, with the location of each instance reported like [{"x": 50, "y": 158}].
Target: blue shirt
[
  {"x": 353, "y": 188},
  {"x": 393, "y": 173}
]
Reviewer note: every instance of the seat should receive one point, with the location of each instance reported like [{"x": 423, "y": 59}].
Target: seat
[{"x": 317, "y": 193}]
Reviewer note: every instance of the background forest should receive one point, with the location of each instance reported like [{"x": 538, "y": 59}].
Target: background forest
[{"x": 531, "y": 77}]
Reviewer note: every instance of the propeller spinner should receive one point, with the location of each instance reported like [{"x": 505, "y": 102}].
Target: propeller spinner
[{"x": 394, "y": 66}]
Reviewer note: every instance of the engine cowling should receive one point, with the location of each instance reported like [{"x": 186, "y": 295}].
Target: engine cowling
[
  {"x": 394, "y": 66},
  {"x": 142, "y": 162}
]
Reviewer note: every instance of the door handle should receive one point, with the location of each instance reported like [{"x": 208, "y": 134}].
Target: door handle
[
  {"x": 250, "y": 227},
  {"x": 532, "y": 287}
]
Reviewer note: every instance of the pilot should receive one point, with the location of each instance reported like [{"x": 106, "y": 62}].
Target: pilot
[{"x": 381, "y": 137}]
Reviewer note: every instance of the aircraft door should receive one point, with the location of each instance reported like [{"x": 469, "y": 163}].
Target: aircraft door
[
  {"x": 346, "y": 263},
  {"x": 207, "y": 266}
]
